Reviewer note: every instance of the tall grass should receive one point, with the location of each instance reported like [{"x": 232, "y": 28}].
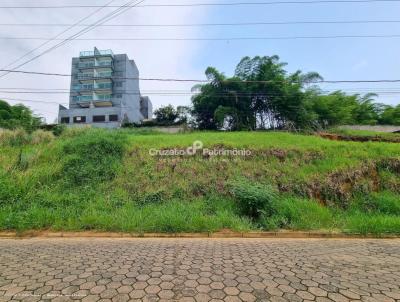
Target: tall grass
[
  {"x": 103, "y": 179},
  {"x": 20, "y": 137}
]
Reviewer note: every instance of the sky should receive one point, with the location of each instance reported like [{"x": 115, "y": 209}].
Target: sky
[{"x": 334, "y": 59}]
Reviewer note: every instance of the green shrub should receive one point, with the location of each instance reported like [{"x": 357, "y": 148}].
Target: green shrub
[
  {"x": 58, "y": 130},
  {"x": 93, "y": 156},
  {"x": 253, "y": 199}
]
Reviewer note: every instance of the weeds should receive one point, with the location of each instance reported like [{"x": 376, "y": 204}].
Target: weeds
[
  {"x": 92, "y": 157},
  {"x": 253, "y": 200},
  {"x": 106, "y": 180}
]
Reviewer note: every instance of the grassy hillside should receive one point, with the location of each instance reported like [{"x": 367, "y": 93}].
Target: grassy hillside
[{"x": 107, "y": 180}]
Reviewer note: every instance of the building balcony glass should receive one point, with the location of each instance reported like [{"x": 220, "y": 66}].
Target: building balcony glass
[
  {"x": 103, "y": 86},
  {"x": 83, "y": 98},
  {"x": 91, "y": 87},
  {"x": 96, "y": 64},
  {"x": 83, "y": 87},
  {"x": 95, "y": 53},
  {"x": 83, "y": 76},
  {"x": 84, "y": 65}
]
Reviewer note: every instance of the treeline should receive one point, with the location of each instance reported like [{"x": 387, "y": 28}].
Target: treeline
[
  {"x": 18, "y": 116},
  {"x": 263, "y": 95}
]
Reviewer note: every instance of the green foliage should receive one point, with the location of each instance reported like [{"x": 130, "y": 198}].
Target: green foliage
[
  {"x": 390, "y": 115},
  {"x": 114, "y": 184},
  {"x": 166, "y": 115},
  {"x": 262, "y": 94},
  {"x": 92, "y": 156},
  {"x": 58, "y": 130},
  {"x": 18, "y": 116},
  {"x": 299, "y": 214},
  {"x": 365, "y": 223},
  {"x": 383, "y": 203},
  {"x": 253, "y": 200}
]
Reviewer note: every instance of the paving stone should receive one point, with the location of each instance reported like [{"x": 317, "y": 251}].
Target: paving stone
[{"x": 200, "y": 270}]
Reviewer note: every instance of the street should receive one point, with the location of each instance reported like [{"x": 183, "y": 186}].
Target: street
[{"x": 199, "y": 270}]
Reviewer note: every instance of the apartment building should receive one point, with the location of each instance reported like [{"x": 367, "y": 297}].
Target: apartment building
[{"x": 104, "y": 91}]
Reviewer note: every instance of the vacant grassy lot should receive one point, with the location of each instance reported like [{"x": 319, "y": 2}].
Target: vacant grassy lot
[{"x": 92, "y": 179}]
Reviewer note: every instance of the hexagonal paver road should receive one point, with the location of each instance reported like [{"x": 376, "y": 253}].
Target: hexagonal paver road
[{"x": 199, "y": 270}]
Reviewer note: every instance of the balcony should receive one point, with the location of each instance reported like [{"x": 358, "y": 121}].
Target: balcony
[
  {"x": 83, "y": 76},
  {"x": 98, "y": 100},
  {"x": 96, "y": 64},
  {"x": 91, "y": 87},
  {"x": 83, "y": 87},
  {"x": 86, "y": 65},
  {"x": 103, "y": 86},
  {"x": 96, "y": 53},
  {"x": 109, "y": 64},
  {"x": 105, "y": 74}
]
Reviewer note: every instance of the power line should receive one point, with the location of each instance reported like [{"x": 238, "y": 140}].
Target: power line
[
  {"x": 56, "y": 36},
  {"x": 204, "y": 81},
  {"x": 204, "y": 4},
  {"x": 208, "y": 24},
  {"x": 108, "y": 17},
  {"x": 193, "y": 93},
  {"x": 62, "y": 90},
  {"x": 215, "y": 39}
]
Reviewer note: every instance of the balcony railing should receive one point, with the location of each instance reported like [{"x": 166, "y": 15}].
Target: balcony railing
[
  {"x": 107, "y": 52},
  {"x": 91, "y": 98},
  {"x": 90, "y": 76},
  {"x": 104, "y": 64},
  {"x": 87, "y": 65},
  {"x": 89, "y": 87},
  {"x": 103, "y": 86},
  {"x": 83, "y": 98},
  {"x": 84, "y": 65}
]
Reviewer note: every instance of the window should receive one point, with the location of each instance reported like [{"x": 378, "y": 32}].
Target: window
[
  {"x": 118, "y": 84},
  {"x": 65, "y": 120},
  {"x": 79, "y": 119},
  {"x": 113, "y": 118},
  {"x": 104, "y": 97},
  {"x": 118, "y": 96},
  {"x": 99, "y": 118}
]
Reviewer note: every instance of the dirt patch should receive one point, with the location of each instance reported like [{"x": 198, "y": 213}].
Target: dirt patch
[{"x": 357, "y": 138}]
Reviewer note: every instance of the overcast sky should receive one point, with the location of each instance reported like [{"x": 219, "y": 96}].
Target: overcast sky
[{"x": 334, "y": 59}]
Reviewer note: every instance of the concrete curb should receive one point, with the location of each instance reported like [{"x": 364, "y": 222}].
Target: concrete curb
[{"x": 281, "y": 234}]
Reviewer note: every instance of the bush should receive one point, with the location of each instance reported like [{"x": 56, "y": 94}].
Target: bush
[
  {"x": 58, "y": 130},
  {"x": 253, "y": 200},
  {"x": 94, "y": 155}
]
